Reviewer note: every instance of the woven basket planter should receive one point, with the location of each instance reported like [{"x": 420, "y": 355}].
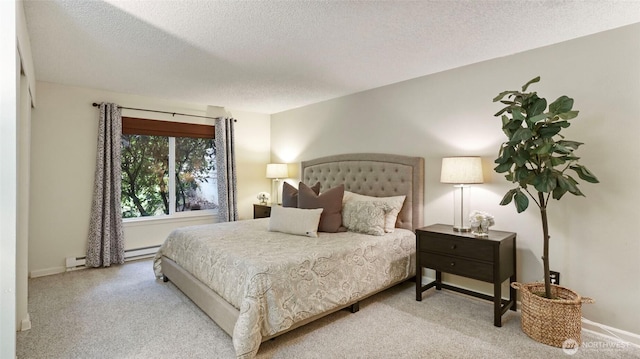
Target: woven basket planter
[{"x": 556, "y": 322}]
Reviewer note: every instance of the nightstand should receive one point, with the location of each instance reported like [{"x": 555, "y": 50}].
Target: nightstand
[
  {"x": 489, "y": 259},
  {"x": 261, "y": 211}
]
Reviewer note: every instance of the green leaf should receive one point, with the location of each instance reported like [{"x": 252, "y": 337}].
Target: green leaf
[
  {"x": 537, "y": 118},
  {"x": 532, "y": 81},
  {"x": 556, "y": 161},
  {"x": 558, "y": 192},
  {"x": 522, "y": 134},
  {"x": 536, "y": 108},
  {"x": 502, "y": 94},
  {"x": 558, "y": 148},
  {"x": 524, "y": 176},
  {"x": 571, "y": 144},
  {"x": 505, "y": 155},
  {"x": 564, "y": 183},
  {"x": 505, "y": 120},
  {"x": 501, "y": 111},
  {"x": 573, "y": 188},
  {"x": 504, "y": 167},
  {"x": 516, "y": 113},
  {"x": 521, "y": 157},
  {"x": 544, "y": 149},
  {"x": 545, "y": 182},
  {"x": 549, "y": 131},
  {"x": 568, "y": 115},
  {"x": 585, "y": 174},
  {"x": 561, "y": 105},
  {"x": 521, "y": 201},
  {"x": 508, "y": 197}
]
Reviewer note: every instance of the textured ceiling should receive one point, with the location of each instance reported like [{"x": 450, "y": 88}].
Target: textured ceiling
[{"x": 270, "y": 56}]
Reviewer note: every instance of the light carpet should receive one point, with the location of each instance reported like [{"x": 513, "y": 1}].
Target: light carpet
[{"x": 125, "y": 312}]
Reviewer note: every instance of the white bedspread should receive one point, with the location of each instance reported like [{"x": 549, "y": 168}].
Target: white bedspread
[{"x": 276, "y": 279}]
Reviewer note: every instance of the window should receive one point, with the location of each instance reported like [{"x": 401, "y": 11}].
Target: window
[{"x": 151, "y": 150}]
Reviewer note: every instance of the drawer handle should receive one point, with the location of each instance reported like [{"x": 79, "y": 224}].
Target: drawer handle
[
  {"x": 453, "y": 264},
  {"x": 453, "y": 246}
]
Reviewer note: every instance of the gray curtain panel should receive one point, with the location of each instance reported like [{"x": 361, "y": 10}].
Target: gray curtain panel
[
  {"x": 106, "y": 241},
  {"x": 226, "y": 168}
]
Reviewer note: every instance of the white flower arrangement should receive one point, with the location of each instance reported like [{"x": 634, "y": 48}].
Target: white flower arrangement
[
  {"x": 263, "y": 197},
  {"x": 480, "y": 222}
]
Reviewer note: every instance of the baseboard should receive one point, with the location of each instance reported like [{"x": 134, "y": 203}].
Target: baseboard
[
  {"x": 46, "y": 272},
  {"x": 610, "y": 332},
  {"x": 76, "y": 263},
  {"x": 25, "y": 323}
]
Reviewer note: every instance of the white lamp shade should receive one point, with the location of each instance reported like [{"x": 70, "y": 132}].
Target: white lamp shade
[
  {"x": 461, "y": 170},
  {"x": 277, "y": 170}
]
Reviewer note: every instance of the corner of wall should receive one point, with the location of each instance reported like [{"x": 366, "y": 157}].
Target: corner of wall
[{"x": 24, "y": 48}]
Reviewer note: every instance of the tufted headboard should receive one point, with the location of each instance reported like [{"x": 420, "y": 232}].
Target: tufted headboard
[{"x": 374, "y": 174}]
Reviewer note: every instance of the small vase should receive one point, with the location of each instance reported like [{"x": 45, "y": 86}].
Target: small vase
[{"x": 480, "y": 231}]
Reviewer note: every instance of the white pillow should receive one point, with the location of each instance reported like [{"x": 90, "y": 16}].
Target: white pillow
[
  {"x": 365, "y": 217},
  {"x": 303, "y": 222},
  {"x": 394, "y": 202}
]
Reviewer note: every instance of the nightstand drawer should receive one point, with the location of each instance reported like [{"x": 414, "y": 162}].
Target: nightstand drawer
[
  {"x": 468, "y": 248},
  {"x": 261, "y": 211},
  {"x": 455, "y": 265}
]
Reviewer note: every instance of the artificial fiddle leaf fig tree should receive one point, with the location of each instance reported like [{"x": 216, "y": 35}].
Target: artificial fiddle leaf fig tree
[{"x": 537, "y": 157}]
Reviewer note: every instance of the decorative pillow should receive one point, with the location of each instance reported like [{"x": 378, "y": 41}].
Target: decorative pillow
[
  {"x": 290, "y": 194},
  {"x": 365, "y": 216},
  {"x": 330, "y": 201},
  {"x": 303, "y": 222},
  {"x": 391, "y": 217}
]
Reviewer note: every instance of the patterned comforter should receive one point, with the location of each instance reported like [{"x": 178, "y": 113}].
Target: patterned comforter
[{"x": 276, "y": 279}]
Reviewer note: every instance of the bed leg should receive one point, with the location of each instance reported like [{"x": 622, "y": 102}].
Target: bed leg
[
  {"x": 165, "y": 278},
  {"x": 355, "y": 307}
]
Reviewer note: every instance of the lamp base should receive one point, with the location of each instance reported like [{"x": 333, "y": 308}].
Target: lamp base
[{"x": 461, "y": 229}]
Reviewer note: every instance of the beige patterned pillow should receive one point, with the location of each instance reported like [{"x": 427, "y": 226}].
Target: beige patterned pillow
[
  {"x": 365, "y": 216},
  {"x": 394, "y": 202}
]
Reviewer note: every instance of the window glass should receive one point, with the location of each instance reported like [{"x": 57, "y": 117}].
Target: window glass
[
  {"x": 196, "y": 186},
  {"x": 145, "y": 175}
]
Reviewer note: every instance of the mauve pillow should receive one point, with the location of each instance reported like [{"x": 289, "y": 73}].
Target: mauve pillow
[
  {"x": 290, "y": 194},
  {"x": 331, "y": 203}
]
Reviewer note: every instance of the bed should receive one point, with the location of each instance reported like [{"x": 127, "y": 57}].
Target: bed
[{"x": 257, "y": 284}]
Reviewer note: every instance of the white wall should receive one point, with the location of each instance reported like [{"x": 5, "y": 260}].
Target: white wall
[
  {"x": 594, "y": 239},
  {"x": 9, "y": 76},
  {"x": 64, "y": 132},
  {"x": 16, "y": 75}
]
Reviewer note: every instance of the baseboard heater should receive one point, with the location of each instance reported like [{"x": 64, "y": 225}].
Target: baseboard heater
[{"x": 74, "y": 263}]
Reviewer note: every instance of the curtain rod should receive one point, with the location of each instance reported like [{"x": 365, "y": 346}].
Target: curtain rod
[{"x": 170, "y": 113}]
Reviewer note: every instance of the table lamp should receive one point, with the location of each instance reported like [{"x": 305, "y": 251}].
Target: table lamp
[
  {"x": 276, "y": 171},
  {"x": 461, "y": 171}
]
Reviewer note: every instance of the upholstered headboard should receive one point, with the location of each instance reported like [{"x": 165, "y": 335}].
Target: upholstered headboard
[{"x": 374, "y": 174}]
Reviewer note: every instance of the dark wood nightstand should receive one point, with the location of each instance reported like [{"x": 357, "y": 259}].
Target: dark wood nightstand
[
  {"x": 261, "y": 210},
  {"x": 489, "y": 259}
]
